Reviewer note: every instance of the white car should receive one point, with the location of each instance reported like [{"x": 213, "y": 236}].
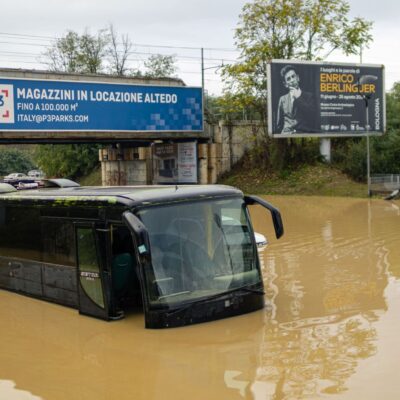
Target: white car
[
  {"x": 36, "y": 174},
  {"x": 14, "y": 176}
]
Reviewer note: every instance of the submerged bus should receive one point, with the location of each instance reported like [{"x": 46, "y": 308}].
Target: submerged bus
[{"x": 185, "y": 254}]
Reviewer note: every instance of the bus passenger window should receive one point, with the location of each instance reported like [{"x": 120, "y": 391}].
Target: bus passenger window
[
  {"x": 20, "y": 233},
  {"x": 58, "y": 245}
]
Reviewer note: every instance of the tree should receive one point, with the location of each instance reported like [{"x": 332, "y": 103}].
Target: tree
[
  {"x": 89, "y": 53},
  {"x": 118, "y": 52},
  {"x": 286, "y": 29},
  {"x": 93, "y": 48},
  {"x": 160, "y": 66},
  {"x": 393, "y": 108},
  {"x": 384, "y": 150},
  {"x": 289, "y": 29},
  {"x": 67, "y": 161},
  {"x": 63, "y": 55},
  {"x": 78, "y": 53},
  {"x": 14, "y": 160},
  {"x": 84, "y": 53}
]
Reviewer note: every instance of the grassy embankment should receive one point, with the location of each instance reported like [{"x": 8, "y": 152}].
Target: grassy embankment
[
  {"x": 317, "y": 180},
  {"x": 93, "y": 179}
]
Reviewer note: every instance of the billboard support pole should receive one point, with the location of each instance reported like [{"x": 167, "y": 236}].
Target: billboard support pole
[
  {"x": 366, "y": 99},
  {"x": 368, "y": 152},
  {"x": 368, "y": 166},
  {"x": 367, "y": 79},
  {"x": 202, "y": 70},
  {"x": 325, "y": 149}
]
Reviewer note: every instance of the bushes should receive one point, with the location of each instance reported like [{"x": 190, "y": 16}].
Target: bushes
[
  {"x": 351, "y": 156},
  {"x": 14, "y": 160},
  {"x": 67, "y": 161},
  {"x": 284, "y": 154}
]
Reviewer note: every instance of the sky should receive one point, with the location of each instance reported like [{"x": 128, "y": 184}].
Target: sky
[{"x": 173, "y": 27}]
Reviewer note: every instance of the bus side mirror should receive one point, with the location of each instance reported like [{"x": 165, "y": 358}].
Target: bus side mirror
[
  {"x": 139, "y": 232},
  {"x": 276, "y": 215}
]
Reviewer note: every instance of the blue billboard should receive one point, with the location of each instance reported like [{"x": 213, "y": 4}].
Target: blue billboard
[{"x": 53, "y": 105}]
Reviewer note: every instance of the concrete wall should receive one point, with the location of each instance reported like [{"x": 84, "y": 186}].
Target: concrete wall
[
  {"x": 233, "y": 140},
  {"x": 121, "y": 173},
  {"x": 125, "y": 166},
  {"x": 226, "y": 145}
]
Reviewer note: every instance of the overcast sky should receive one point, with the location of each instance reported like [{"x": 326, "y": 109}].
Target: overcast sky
[{"x": 174, "y": 24}]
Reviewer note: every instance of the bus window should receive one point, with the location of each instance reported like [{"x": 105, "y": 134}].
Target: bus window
[
  {"x": 58, "y": 243},
  {"x": 20, "y": 233}
]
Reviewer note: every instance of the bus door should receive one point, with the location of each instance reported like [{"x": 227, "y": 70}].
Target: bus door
[{"x": 91, "y": 256}]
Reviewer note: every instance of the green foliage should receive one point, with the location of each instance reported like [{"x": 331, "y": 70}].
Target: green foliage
[
  {"x": 351, "y": 157},
  {"x": 285, "y": 29},
  {"x": 84, "y": 53},
  {"x": 67, "y": 161},
  {"x": 92, "y": 179},
  {"x": 393, "y": 108},
  {"x": 351, "y": 154},
  {"x": 88, "y": 53},
  {"x": 386, "y": 153},
  {"x": 14, "y": 160},
  {"x": 291, "y": 153},
  {"x": 78, "y": 53},
  {"x": 238, "y": 106},
  {"x": 290, "y": 29},
  {"x": 160, "y": 66}
]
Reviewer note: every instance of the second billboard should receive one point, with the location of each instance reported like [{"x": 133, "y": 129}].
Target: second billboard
[{"x": 325, "y": 99}]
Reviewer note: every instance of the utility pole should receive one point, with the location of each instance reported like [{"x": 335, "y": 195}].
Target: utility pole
[
  {"x": 203, "y": 80},
  {"x": 367, "y": 128},
  {"x": 202, "y": 74},
  {"x": 202, "y": 70}
]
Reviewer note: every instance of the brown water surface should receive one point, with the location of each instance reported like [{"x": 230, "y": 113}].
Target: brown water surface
[{"x": 330, "y": 330}]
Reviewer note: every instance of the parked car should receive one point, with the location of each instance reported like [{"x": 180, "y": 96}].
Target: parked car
[
  {"x": 36, "y": 174},
  {"x": 14, "y": 175},
  {"x": 16, "y": 178}
]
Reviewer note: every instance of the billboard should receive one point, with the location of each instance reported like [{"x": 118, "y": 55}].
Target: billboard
[
  {"x": 325, "y": 99},
  {"x": 175, "y": 162},
  {"x": 31, "y": 105}
]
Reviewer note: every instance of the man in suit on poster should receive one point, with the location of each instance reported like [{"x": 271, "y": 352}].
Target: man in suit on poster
[{"x": 296, "y": 109}]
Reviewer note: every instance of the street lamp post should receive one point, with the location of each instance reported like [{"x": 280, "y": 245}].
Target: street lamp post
[{"x": 363, "y": 80}]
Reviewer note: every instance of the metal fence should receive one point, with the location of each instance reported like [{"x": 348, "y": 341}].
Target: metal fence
[{"x": 385, "y": 182}]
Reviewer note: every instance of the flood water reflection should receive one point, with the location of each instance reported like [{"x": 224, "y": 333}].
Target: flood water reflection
[{"x": 330, "y": 328}]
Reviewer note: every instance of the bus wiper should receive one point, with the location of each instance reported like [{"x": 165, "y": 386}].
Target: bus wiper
[{"x": 213, "y": 297}]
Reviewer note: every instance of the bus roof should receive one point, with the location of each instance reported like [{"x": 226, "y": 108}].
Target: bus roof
[{"x": 124, "y": 195}]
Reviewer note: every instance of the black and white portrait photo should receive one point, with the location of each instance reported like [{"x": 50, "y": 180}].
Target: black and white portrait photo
[{"x": 296, "y": 110}]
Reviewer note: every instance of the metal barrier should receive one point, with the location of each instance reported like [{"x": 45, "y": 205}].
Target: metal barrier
[{"x": 385, "y": 182}]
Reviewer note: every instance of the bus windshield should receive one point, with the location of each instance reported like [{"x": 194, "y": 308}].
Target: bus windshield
[{"x": 198, "y": 249}]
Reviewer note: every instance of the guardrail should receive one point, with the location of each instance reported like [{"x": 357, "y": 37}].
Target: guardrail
[{"x": 385, "y": 182}]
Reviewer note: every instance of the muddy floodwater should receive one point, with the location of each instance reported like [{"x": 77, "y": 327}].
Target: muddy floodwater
[{"x": 331, "y": 328}]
